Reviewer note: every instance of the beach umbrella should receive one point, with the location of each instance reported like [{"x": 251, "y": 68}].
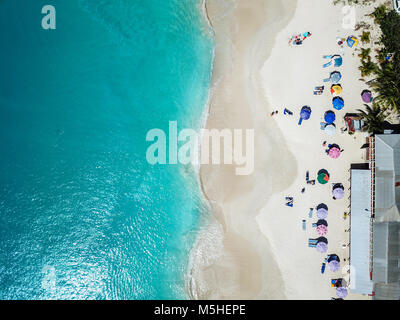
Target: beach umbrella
[
  {"x": 322, "y": 239},
  {"x": 305, "y": 113},
  {"x": 338, "y": 193},
  {"x": 338, "y": 60},
  {"x": 329, "y": 117},
  {"x": 322, "y": 205},
  {"x": 352, "y": 41},
  {"x": 322, "y": 213},
  {"x": 366, "y": 96},
  {"x": 334, "y": 265},
  {"x": 337, "y": 185},
  {"x": 330, "y": 129},
  {"x": 336, "y": 89},
  {"x": 322, "y": 230},
  {"x": 335, "y": 77},
  {"x": 322, "y": 247},
  {"x": 338, "y": 103},
  {"x": 323, "y": 223},
  {"x": 334, "y": 152},
  {"x": 341, "y": 292},
  {"x": 323, "y": 178},
  {"x": 333, "y": 257}
]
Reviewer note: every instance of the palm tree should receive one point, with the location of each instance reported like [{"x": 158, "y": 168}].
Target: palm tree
[
  {"x": 365, "y": 37},
  {"x": 386, "y": 85},
  {"x": 373, "y": 119},
  {"x": 364, "y": 55},
  {"x": 367, "y": 68}
]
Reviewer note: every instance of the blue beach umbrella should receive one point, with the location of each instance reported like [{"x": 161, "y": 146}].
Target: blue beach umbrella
[
  {"x": 338, "y": 103},
  {"x": 330, "y": 117},
  {"x": 338, "y": 60},
  {"x": 305, "y": 114},
  {"x": 335, "y": 77},
  {"x": 352, "y": 41}
]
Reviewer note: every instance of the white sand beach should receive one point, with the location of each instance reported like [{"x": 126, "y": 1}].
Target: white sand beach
[{"x": 255, "y": 247}]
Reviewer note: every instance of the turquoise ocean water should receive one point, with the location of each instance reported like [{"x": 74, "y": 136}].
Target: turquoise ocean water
[{"x": 82, "y": 214}]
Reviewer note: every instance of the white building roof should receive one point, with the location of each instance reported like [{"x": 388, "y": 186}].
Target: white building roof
[{"x": 360, "y": 236}]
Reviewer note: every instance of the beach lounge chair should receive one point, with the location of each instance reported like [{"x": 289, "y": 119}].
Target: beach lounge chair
[
  {"x": 323, "y": 268},
  {"x": 310, "y": 212},
  {"x": 312, "y": 243},
  {"x": 312, "y": 182},
  {"x": 307, "y": 176},
  {"x": 289, "y": 204},
  {"x": 304, "y": 225},
  {"x": 287, "y": 111}
]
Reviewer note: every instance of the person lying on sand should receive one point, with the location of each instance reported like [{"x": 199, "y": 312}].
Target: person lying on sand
[{"x": 299, "y": 38}]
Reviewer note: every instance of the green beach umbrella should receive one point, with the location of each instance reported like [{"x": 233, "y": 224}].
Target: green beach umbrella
[{"x": 323, "y": 178}]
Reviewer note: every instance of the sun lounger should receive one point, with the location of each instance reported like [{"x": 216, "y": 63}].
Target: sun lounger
[
  {"x": 287, "y": 111},
  {"x": 308, "y": 176},
  {"x": 304, "y": 225},
  {"x": 323, "y": 268},
  {"x": 310, "y": 212},
  {"x": 289, "y": 204},
  {"x": 312, "y": 182},
  {"x": 312, "y": 243}
]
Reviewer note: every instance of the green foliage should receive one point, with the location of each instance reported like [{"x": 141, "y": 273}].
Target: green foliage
[
  {"x": 365, "y": 37},
  {"x": 374, "y": 118},
  {"x": 380, "y": 13},
  {"x": 387, "y": 87},
  {"x": 368, "y": 67},
  {"x": 390, "y": 26},
  {"x": 365, "y": 54},
  {"x": 387, "y": 82}
]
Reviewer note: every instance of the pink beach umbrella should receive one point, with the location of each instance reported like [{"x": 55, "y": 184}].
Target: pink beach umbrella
[
  {"x": 334, "y": 265},
  {"x": 322, "y": 230},
  {"x": 322, "y": 247},
  {"x": 334, "y": 153}
]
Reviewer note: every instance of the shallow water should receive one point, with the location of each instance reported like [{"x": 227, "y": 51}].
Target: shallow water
[{"x": 82, "y": 214}]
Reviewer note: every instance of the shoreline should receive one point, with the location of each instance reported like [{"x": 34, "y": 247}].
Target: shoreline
[
  {"x": 236, "y": 253},
  {"x": 251, "y": 246}
]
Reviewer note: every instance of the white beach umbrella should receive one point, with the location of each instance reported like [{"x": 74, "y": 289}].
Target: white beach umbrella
[{"x": 330, "y": 129}]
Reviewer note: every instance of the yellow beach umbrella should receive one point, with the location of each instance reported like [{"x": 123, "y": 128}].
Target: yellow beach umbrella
[{"x": 336, "y": 89}]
